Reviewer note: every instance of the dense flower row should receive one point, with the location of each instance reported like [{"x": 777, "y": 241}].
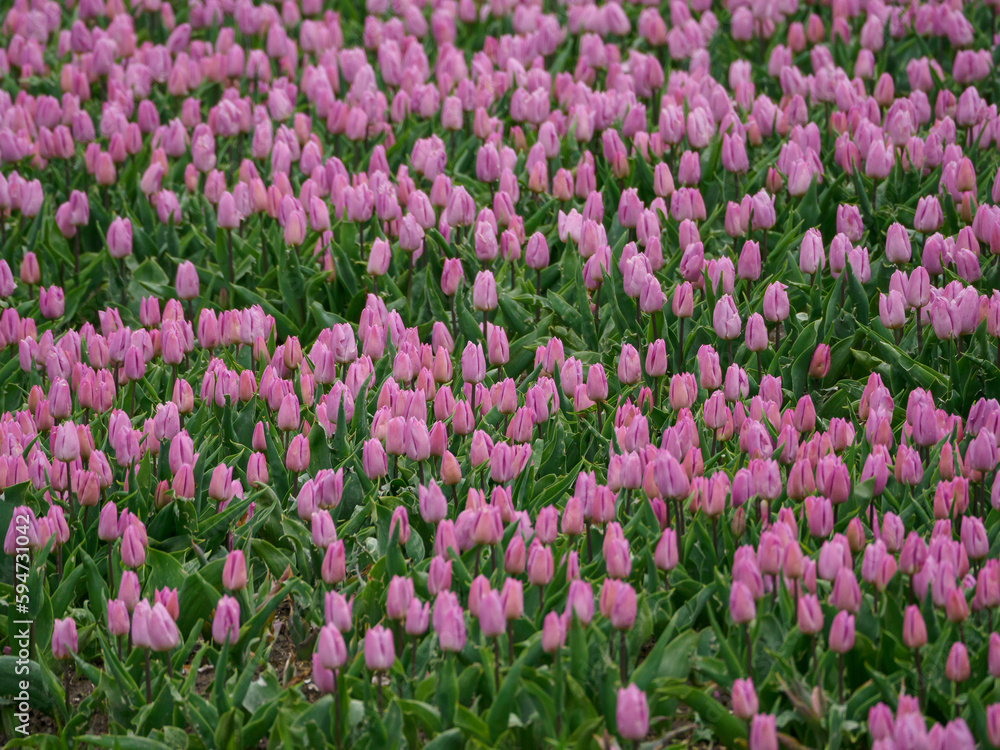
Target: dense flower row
[{"x": 744, "y": 457}]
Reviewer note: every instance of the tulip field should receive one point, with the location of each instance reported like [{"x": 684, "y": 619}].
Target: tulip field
[{"x": 508, "y": 373}]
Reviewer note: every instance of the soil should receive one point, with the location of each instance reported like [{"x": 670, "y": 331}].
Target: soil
[{"x": 79, "y": 689}]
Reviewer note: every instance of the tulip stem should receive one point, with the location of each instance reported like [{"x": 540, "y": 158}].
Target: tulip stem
[
  {"x": 623, "y": 657},
  {"x": 170, "y": 665},
  {"x": 409, "y": 283},
  {"x": 510, "y": 642},
  {"x": 76, "y": 253},
  {"x": 121, "y": 271},
  {"x": 111, "y": 571},
  {"x": 149, "y": 683},
  {"x": 496, "y": 665},
  {"x": 66, "y": 680},
  {"x": 263, "y": 247},
  {"x": 590, "y": 551},
  {"x": 475, "y": 419},
  {"x": 336, "y": 706},
  {"x": 229, "y": 249},
  {"x": 378, "y": 677},
  {"x": 715, "y": 536},
  {"x": 920, "y": 676},
  {"x": 597, "y": 316},
  {"x": 538, "y": 293},
  {"x": 758, "y": 370},
  {"x": 840, "y": 677},
  {"x": 746, "y": 636},
  {"x": 558, "y": 687},
  {"x": 795, "y": 596}
]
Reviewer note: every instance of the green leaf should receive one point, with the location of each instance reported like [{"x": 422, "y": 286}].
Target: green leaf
[
  {"x": 802, "y": 352},
  {"x": 648, "y": 670},
  {"x": 255, "y": 626},
  {"x": 472, "y": 725},
  {"x": 446, "y": 695},
  {"x": 450, "y": 740},
  {"x": 319, "y": 448},
  {"x": 917, "y": 373},
  {"x": 219, "y": 695},
  {"x": 43, "y": 690},
  {"x": 499, "y": 715},
  {"x": 124, "y": 742},
  {"x": 726, "y": 728},
  {"x": 199, "y": 600},
  {"x": 426, "y": 715},
  {"x": 676, "y": 660},
  {"x": 858, "y": 296}
]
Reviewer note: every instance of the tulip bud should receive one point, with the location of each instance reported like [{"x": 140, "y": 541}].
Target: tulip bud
[
  {"x": 842, "y": 632},
  {"x": 234, "y": 572},
  {"x": 741, "y": 603},
  {"x": 819, "y": 365},
  {"x": 118, "y": 621},
  {"x": 553, "y": 633},
  {"x": 957, "y": 667},
  {"x": 632, "y": 713},
  {"x": 744, "y": 699},
  {"x": 226, "y": 623},
  {"x": 763, "y": 733},
  {"x": 380, "y": 652},
  {"x": 64, "y": 640}
]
